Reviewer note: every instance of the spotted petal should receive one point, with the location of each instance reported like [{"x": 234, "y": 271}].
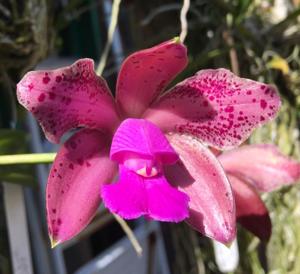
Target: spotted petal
[
  {"x": 67, "y": 98},
  {"x": 263, "y": 165},
  {"x": 251, "y": 211},
  {"x": 145, "y": 74},
  {"x": 216, "y": 106},
  {"x": 80, "y": 169},
  {"x": 201, "y": 177}
]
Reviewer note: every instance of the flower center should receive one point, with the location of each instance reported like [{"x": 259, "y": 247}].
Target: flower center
[{"x": 143, "y": 167}]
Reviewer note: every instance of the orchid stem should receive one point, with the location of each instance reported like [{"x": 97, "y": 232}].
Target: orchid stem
[
  {"x": 110, "y": 35},
  {"x": 128, "y": 231},
  {"x": 33, "y": 158},
  {"x": 183, "y": 20}
]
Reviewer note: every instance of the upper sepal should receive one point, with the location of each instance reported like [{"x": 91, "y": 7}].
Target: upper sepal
[
  {"x": 145, "y": 74},
  {"x": 67, "y": 98},
  {"x": 216, "y": 106}
]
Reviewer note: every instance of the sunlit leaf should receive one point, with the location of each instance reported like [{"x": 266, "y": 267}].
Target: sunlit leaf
[{"x": 279, "y": 63}]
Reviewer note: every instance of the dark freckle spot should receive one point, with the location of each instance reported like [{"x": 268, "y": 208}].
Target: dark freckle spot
[
  {"x": 58, "y": 79},
  {"x": 46, "y": 80},
  {"x": 62, "y": 192},
  {"x": 71, "y": 166},
  {"x": 30, "y": 86},
  {"x": 262, "y": 87},
  {"x": 58, "y": 221},
  {"x": 263, "y": 104},
  {"x": 54, "y": 210},
  {"x": 60, "y": 164},
  {"x": 249, "y": 92},
  {"x": 226, "y": 194},
  {"x": 80, "y": 161},
  {"x": 229, "y": 109},
  {"x": 41, "y": 97},
  {"x": 262, "y": 118}
]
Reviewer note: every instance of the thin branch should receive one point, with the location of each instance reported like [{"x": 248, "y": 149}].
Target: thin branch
[
  {"x": 183, "y": 20},
  {"x": 110, "y": 34},
  {"x": 129, "y": 234},
  {"x": 234, "y": 62},
  {"x": 166, "y": 8}
]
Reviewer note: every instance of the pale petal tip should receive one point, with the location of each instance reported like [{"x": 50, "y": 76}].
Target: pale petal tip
[
  {"x": 228, "y": 244},
  {"x": 54, "y": 242}
]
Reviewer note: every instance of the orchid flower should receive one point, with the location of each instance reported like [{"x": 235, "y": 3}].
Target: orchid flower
[
  {"x": 144, "y": 132},
  {"x": 252, "y": 169}
]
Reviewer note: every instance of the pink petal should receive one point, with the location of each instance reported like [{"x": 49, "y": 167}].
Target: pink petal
[
  {"x": 141, "y": 137},
  {"x": 251, "y": 211},
  {"x": 127, "y": 197},
  {"x": 263, "y": 165},
  {"x": 166, "y": 203},
  {"x": 201, "y": 177},
  {"x": 216, "y": 106},
  {"x": 80, "y": 168},
  {"x": 67, "y": 98},
  {"x": 133, "y": 196},
  {"x": 145, "y": 74}
]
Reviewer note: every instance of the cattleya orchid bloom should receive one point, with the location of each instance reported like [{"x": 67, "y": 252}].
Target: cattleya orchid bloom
[
  {"x": 144, "y": 131},
  {"x": 252, "y": 169}
]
